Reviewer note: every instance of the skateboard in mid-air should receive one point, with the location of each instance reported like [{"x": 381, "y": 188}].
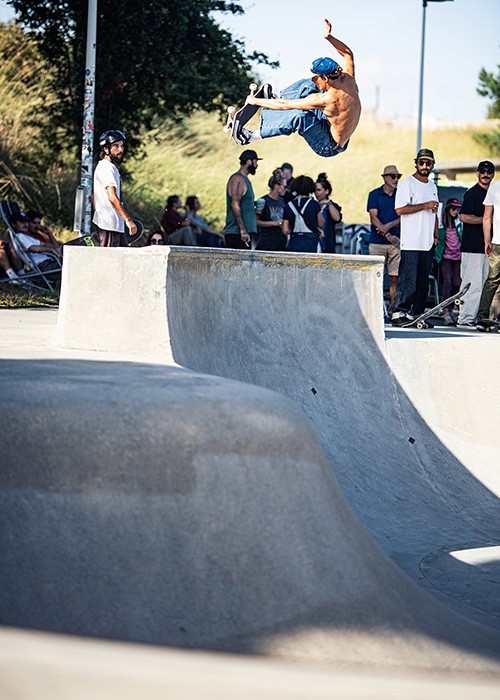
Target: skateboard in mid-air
[
  {"x": 420, "y": 321},
  {"x": 487, "y": 325},
  {"x": 240, "y": 117}
]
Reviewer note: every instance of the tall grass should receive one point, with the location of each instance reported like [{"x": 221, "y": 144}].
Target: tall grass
[
  {"x": 28, "y": 170},
  {"x": 198, "y": 158},
  {"x": 192, "y": 157}
]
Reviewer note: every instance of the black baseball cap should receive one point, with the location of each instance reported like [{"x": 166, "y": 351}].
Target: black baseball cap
[
  {"x": 486, "y": 165},
  {"x": 249, "y": 155},
  {"x": 19, "y": 216}
]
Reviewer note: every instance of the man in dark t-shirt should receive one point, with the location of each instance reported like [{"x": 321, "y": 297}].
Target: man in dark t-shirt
[{"x": 475, "y": 264}]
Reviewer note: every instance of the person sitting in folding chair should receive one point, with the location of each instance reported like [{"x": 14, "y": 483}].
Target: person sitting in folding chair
[{"x": 38, "y": 251}]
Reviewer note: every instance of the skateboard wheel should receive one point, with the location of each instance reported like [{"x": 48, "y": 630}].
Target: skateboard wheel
[
  {"x": 252, "y": 87},
  {"x": 421, "y": 325},
  {"x": 231, "y": 110}
]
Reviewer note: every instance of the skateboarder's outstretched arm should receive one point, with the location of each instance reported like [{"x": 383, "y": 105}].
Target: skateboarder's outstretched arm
[
  {"x": 342, "y": 48},
  {"x": 313, "y": 101}
]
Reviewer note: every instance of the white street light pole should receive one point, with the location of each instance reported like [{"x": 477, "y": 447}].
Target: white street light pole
[
  {"x": 83, "y": 203},
  {"x": 421, "y": 86}
]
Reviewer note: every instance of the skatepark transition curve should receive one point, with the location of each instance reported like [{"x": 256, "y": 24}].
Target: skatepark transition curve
[{"x": 260, "y": 551}]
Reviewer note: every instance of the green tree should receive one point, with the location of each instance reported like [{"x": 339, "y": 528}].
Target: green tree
[
  {"x": 489, "y": 86},
  {"x": 163, "y": 59}
]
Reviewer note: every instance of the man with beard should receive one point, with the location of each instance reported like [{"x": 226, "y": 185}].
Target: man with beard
[
  {"x": 109, "y": 215},
  {"x": 241, "y": 220},
  {"x": 416, "y": 204}
]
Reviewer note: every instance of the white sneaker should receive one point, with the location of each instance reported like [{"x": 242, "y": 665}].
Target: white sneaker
[{"x": 448, "y": 320}]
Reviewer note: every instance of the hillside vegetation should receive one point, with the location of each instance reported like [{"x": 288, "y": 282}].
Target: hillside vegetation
[
  {"x": 190, "y": 157},
  {"x": 198, "y": 159}
]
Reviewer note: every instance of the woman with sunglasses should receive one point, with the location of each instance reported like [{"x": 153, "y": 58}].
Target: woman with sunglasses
[
  {"x": 156, "y": 238},
  {"x": 449, "y": 255}
]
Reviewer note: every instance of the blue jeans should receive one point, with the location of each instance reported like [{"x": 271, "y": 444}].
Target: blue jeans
[
  {"x": 302, "y": 243},
  {"x": 312, "y": 124}
]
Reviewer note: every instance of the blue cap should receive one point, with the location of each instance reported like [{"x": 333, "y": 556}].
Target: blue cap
[{"x": 324, "y": 66}]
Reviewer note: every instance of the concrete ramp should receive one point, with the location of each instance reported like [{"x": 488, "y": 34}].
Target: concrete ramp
[{"x": 197, "y": 511}]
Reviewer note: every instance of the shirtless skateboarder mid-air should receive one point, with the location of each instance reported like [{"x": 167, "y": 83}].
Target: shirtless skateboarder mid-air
[{"x": 324, "y": 110}]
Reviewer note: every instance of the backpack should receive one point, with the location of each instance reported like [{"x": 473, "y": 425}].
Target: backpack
[{"x": 299, "y": 225}]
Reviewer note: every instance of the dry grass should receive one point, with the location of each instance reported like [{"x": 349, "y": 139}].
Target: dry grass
[{"x": 198, "y": 159}]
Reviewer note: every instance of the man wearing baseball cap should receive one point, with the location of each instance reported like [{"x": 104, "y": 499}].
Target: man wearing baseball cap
[
  {"x": 475, "y": 263},
  {"x": 39, "y": 251},
  {"x": 384, "y": 234},
  {"x": 417, "y": 204},
  {"x": 324, "y": 110},
  {"x": 491, "y": 248},
  {"x": 241, "y": 220}
]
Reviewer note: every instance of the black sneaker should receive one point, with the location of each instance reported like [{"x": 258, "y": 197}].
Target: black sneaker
[
  {"x": 241, "y": 135},
  {"x": 400, "y": 321},
  {"x": 267, "y": 91}
]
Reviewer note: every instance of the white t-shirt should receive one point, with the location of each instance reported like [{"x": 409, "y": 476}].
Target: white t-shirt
[
  {"x": 105, "y": 215},
  {"x": 27, "y": 242},
  {"x": 493, "y": 199},
  {"x": 417, "y": 230}
]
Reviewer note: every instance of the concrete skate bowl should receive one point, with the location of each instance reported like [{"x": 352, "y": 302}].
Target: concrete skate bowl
[{"x": 260, "y": 552}]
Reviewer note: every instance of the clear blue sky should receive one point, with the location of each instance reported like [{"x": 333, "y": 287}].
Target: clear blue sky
[
  {"x": 461, "y": 37},
  {"x": 385, "y": 36}
]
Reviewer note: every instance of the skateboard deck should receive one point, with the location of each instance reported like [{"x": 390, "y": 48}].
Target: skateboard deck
[
  {"x": 93, "y": 239},
  {"x": 137, "y": 235},
  {"x": 487, "y": 325},
  {"x": 419, "y": 322},
  {"x": 243, "y": 114}
]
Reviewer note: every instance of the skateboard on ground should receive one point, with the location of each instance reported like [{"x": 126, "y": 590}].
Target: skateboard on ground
[
  {"x": 244, "y": 114},
  {"x": 487, "y": 325},
  {"x": 419, "y": 322}
]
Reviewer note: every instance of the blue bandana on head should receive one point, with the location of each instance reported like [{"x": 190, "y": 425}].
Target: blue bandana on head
[{"x": 324, "y": 66}]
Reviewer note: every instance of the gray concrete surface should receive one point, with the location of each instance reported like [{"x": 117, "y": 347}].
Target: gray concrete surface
[
  {"x": 53, "y": 667},
  {"x": 292, "y": 572}
]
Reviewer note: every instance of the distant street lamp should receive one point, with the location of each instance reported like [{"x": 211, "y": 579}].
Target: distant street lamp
[{"x": 421, "y": 89}]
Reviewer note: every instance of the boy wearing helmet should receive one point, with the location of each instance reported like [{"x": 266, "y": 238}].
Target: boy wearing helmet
[
  {"x": 109, "y": 215},
  {"x": 324, "y": 110}
]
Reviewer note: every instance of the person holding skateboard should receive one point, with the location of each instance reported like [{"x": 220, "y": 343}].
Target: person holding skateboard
[
  {"x": 110, "y": 216},
  {"x": 324, "y": 110}
]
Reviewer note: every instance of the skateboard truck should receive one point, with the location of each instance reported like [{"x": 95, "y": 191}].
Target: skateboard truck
[{"x": 231, "y": 111}]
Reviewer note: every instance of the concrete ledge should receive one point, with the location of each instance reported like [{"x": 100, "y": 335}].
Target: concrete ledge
[{"x": 116, "y": 299}]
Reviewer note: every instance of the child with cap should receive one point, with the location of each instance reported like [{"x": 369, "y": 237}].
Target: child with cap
[{"x": 449, "y": 254}]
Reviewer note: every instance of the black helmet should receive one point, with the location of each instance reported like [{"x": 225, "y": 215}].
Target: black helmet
[{"x": 110, "y": 137}]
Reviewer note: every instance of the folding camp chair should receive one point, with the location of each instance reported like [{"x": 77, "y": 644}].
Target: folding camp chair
[{"x": 36, "y": 277}]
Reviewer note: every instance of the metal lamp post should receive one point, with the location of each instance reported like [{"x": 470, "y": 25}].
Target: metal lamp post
[
  {"x": 83, "y": 202},
  {"x": 421, "y": 87}
]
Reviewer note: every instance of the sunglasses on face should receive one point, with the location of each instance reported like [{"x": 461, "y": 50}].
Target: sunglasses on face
[
  {"x": 486, "y": 172},
  {"x": 156, "y": 241},
  {"x": 429, "y": 163},
  {"x": 395, "y": 177}
]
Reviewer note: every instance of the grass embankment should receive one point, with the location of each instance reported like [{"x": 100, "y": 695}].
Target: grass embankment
[
  {"x": 19, "y": 297},
  {"x": 198, "y": 159}
]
